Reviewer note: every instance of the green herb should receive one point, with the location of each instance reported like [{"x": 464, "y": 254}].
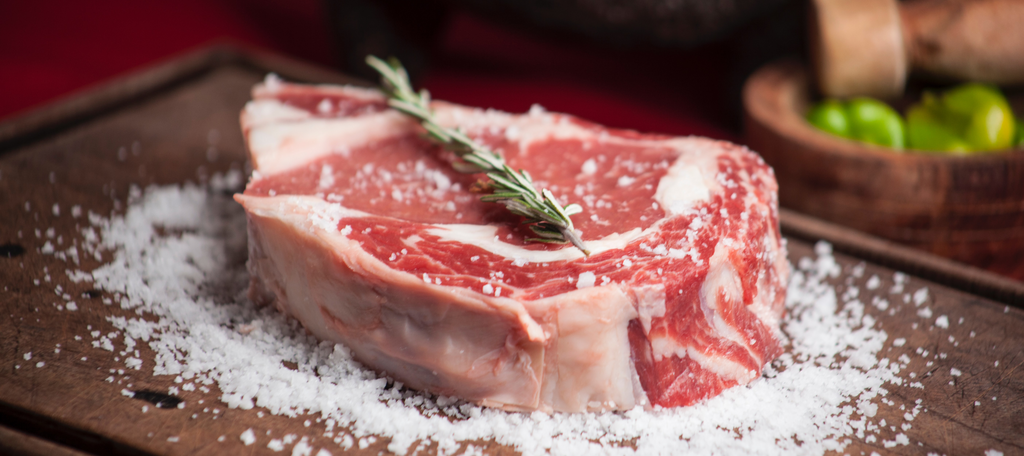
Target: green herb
[{"x": 549, "y": 220}]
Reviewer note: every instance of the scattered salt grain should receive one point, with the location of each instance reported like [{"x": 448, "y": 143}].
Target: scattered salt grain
[
  {"x": 325, "y": 106},
  {"x": 920, "y": 296},
  {"x": 272, "y": 82},
  {"x": 586, "y": 280},
  {"x": 276, "y": 445},
  {"x": 248, "y": 437},
  {"x": 829, "y": 380},
  {"x": 955, "y": 372},
  {"x": 173, "y": 439},
  {"x": 589, "y": 167},
  {"x": 942, "y": 322},
  {"x": 302, "y": 448}
]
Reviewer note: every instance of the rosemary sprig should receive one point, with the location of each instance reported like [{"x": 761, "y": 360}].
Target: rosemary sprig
[{"x": 547, "y": 219}]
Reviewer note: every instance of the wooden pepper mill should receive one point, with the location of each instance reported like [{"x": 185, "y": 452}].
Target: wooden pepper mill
[{"x": 867, "y": 47}]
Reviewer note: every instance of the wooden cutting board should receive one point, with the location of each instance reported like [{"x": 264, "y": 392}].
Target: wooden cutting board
[{"x": 155, "y": 127}]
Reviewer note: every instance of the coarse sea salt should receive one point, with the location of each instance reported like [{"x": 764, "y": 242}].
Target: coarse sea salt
[{"x": 178, "y": 254}]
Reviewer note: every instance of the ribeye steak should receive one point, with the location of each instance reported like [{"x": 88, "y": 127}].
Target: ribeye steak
[{"x": 360, "y": 229}]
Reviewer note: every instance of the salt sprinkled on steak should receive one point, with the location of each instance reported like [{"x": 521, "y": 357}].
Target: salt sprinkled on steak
[
  {"x": 829, "y": 385},
  {"x": 361, "y": 230}
]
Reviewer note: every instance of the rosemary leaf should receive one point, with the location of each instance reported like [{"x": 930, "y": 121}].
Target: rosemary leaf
[{"x": 546, "y": 217}]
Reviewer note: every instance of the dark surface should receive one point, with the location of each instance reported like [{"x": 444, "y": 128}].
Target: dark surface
[
  {"x": 16, "y": 443},
  {"x": 70, "y": 401},
  {"x": 58, "y": 47}
]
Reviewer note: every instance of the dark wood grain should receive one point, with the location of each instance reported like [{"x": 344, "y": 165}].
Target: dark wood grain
[
  {"x": 69, "y": 400},
  {"x": 902, "y": 258},
  {"x": 967, "y": 208},
  {"x": 16, "y": 443}
]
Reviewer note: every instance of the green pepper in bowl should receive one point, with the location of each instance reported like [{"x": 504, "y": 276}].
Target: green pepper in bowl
[
  {"x": 830, "y": 116},
  {"x": 875, "y": 122}
]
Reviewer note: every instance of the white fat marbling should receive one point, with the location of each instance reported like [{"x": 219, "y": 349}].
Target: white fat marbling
[
  {"x": 279, "y": 147},
  {"x": 484, "y": 236}
]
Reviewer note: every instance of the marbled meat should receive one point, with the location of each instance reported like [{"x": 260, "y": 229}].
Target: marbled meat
[{"x": 361, "y": 230}]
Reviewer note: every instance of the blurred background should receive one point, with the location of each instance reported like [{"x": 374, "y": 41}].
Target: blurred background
[{"x": 667, "y": 66}]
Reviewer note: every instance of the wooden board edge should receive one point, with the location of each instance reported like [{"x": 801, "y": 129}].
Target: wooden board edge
[
  {"x": 15, "y": 442},
  {"x": 915, "y": 262},
  {"x": 75, "y": 108},
  {"x": 35, "y": 434}
]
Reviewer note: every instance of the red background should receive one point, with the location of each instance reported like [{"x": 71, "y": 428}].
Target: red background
[{"x": 49, "y": 49}]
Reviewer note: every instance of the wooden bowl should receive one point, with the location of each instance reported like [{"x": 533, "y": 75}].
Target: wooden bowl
[{"x": 968, "y": 208}]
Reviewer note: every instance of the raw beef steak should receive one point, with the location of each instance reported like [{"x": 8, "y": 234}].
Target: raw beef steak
[{"x": 360, "y": 229}]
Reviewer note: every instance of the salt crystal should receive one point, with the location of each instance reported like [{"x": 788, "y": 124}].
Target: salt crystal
[
  {"x": 589, "y": 167},
  {"x": 302, "y": 448},
  {"x": 586, "y": 280},
  {"x": 942, "y": 322},
  {"x": 276, "y": 445},
  {"x": 197, "y": 340},
  {"x": 920, "y": 296},
  {"x": 248, "y": 437},
  {"x": 272, "y": 83},
  {"x": 325, "y": 106}
]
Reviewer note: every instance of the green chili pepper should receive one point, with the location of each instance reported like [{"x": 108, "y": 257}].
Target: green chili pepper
[
  {"x": 926, "y": 132},
  {"x": 967, "y": 118},
  {"x": 981, "y": 114},
  {"x": 874, "y": 122},
  {"x": 830, "y": 116},
  {"x": 1019, "y": 142}
]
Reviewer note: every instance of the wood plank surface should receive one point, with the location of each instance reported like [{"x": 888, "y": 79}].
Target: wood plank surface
[
  {"x": 164, "y": 136},
  {"x": 14, "y": 442}
]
